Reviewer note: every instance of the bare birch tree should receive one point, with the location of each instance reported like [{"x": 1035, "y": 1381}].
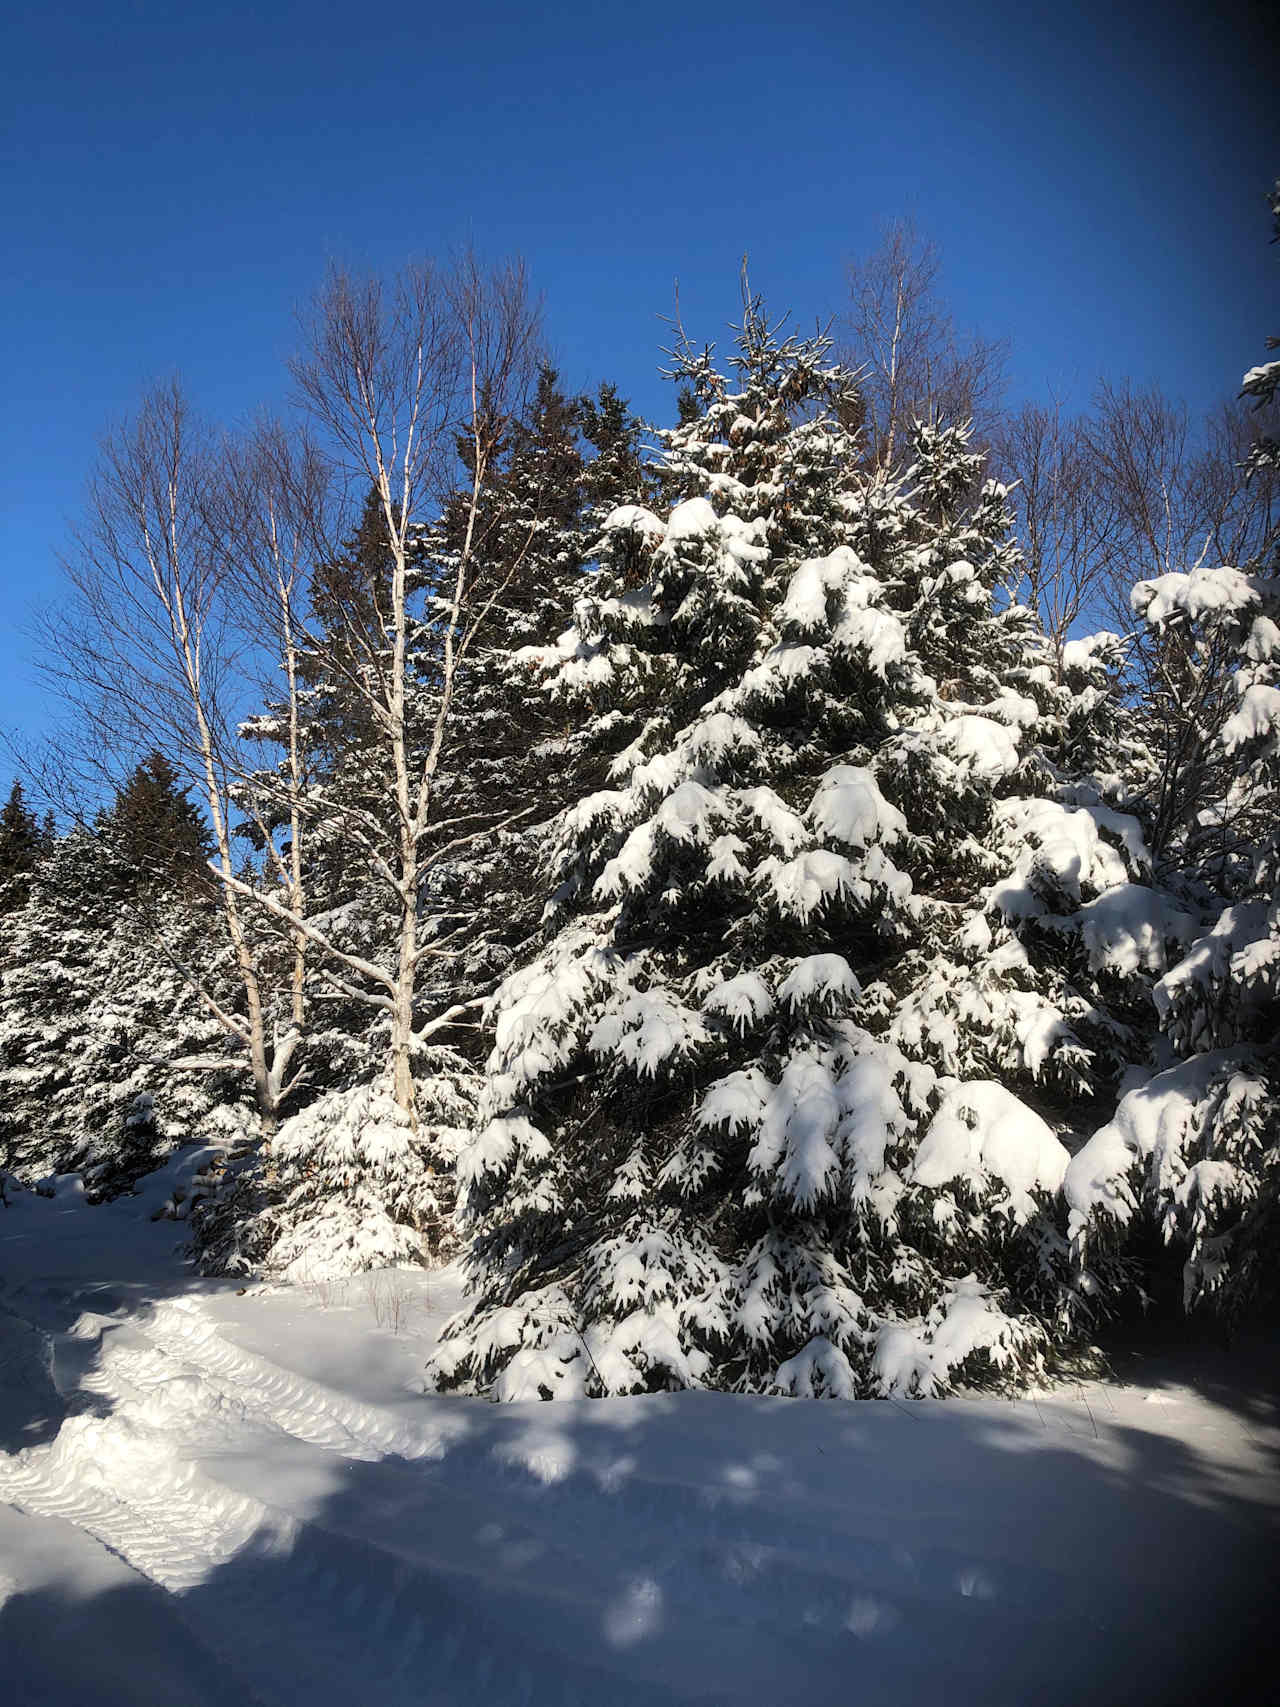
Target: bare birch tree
[
  {"x": 149, "y": 651},
  {"x": 411, "y": 387},
  {"x": 274, "y": 507},
  {"x": 1068, "y": 517},
  {"x": 913, "y": 362}
]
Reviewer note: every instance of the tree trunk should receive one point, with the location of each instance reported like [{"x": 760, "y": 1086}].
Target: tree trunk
[{"x": 402, "y": 1002}]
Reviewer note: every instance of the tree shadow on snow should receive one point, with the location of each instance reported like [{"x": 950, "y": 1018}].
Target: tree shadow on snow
[{"x": 676, "y": 1548}]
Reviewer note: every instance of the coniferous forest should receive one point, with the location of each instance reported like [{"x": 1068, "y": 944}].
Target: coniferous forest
[{"x": 789, "y": 896}]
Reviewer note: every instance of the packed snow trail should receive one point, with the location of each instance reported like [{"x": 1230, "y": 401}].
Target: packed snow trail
[{"x": 209, "y": 1496}]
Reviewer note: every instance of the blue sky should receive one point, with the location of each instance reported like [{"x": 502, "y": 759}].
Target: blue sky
[{"x": 175, "y": 177}]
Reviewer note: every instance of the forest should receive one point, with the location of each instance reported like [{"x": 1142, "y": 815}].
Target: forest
[{"x": 788, "y": 898}]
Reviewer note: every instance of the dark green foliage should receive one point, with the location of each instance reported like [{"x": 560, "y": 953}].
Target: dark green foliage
[
  {"x": 157, "y": 834},
  {"x": 23, "y": 843}
]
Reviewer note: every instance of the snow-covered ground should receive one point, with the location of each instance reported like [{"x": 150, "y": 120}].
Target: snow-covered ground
[{"x": 210, "y": 1495}]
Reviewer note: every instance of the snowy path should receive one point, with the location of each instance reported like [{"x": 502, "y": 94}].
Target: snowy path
[{"x": 208, "y": 1497}]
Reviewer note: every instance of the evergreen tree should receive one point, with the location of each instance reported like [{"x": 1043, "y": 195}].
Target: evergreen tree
[
  {"x": 1262, "y": 383},
  {"x": 616, "y": 474},
  {"x": 156, "y": 832},
  {"x": 96, "y": 1019},
  {"x": 23, "y": 841},
  {"x": 750, "y": 1117},
  {"x": 516, "y": 757},
  {"x": 344, "y": 755},
  {"x": 1193, "y": 1150},
  {"x": 529, "y": 547}
]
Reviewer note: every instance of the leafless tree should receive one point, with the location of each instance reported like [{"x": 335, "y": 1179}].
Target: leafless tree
[
  {"x": 1124, "y": 493},
  {"x": 915, "y": 365},
  {"x": 149, "y": 650},
  {"x": 274, "y": 510},
  {"x": 409, "y": 388},
  {"x": 1068, "y": 520},
  {"x": 191, "y": 606}
]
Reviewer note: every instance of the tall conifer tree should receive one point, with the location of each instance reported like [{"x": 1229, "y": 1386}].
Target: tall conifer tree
[{"x": 762, "y": 1113}]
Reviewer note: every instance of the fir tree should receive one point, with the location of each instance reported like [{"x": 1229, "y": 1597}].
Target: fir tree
[
  {"x": 156, "y": 832},
  {"x": 616, "y": 474},
  {"x": 23, "y": 841},
  {"x": 762, "y": 1113},
  {"x": 96, "y": 1020},
  {"x": 529, "y": 547},
  {"x": 1262, "y": 383},
  {"x": 1193, "y": 1151}
]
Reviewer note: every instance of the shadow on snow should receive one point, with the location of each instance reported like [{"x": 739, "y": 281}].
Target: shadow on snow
[{"x": 673, "y": 1548}]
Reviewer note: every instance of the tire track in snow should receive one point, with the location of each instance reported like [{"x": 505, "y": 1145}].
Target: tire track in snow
[
  {"x": 304, "y": 1408},
  {"x": 151, "y": 1356},
  {"x": 297, "y": 1609}
]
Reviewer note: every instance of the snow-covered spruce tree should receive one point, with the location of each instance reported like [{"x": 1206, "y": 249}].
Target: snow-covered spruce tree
[
  {"x": 514, "y": 759},
  {"x": 616, "y": 472},
  {"x": 357, "y": 1188},
  {"x": 1262, "y": 383},
  {"x": 1195, "y": 1148},
  {"x": 156, "y": 834},
  {"x": 96, "y": 1021},
  {"x": 749, "y": 1120}
]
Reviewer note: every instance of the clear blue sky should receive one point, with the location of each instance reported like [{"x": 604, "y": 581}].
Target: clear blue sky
[{"x": 175, "y": 176}]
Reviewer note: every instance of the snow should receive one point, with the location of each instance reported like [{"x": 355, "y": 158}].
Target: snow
[
  {"x": 717, "y": 734},
  {"x": 1125, "y": 927},
  {"x": 212, "y": 1495},
  {"x": 744, "y": 999},
  {"x": 689, "y": 812},
  {"x": 806, "y": 602},
  {"x": 878, "y": 634},
  {"x": 735, "y": 1101},
  {"x": 1128, "y": 928},
  {"x": 782, "y": 666},
  {"x": 1090, "y": 652},
  {"x": 1256, "y": 718},
  {"x": 803, "y": 885},
  {"x": 776, "y": 818},
  {"x": 799, "y": 1121},
  {"x": 1261, "y": 380},
  {"x": 921, "y": 1358},
  {"x": 859, "y": 625},
  {"x": 725, "y": 864},
  {"x": 535, "y": 1007},
  {"x": 1199, "y": 593},
  {"x": 691, "y": 519},
  {"x": 1059, "y": 842},
  {"x": 1210, "y": 958},
  {"x": 849, "y": 807},
  {"x": 634, "y": 518},
  {"x": 982, "y": 1134},
  {"x": 987, "y": 750},
  {"x": 1151, "y": 1125},
  {"x": 819, "y": 977},
  {"x": 645, "y": 1029}
]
